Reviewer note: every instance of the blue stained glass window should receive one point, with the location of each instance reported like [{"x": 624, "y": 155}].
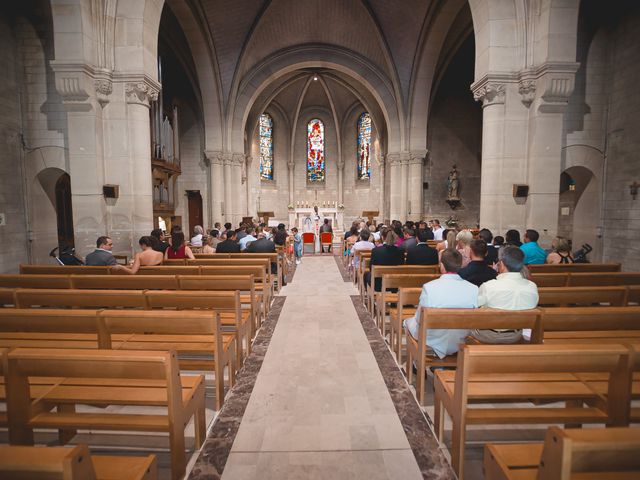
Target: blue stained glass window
[
  {"x": 364, "y": 146},
  {"x": 315, "y": 151},
  {"x": 266, "y": 147}
]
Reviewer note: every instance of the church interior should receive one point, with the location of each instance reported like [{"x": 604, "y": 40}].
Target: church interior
[{"x": 228, "y": 228}]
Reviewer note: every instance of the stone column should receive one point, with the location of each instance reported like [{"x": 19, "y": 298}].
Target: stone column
[
  {"x": 228, "y": 208},
  {"x": 252, "y": 191},
  {"x": 504, "y": 137},
  {"x": 395, "y": 185},
  {"x": 545, "y": 91},
  {"x": 138, "y": 94},
  {"x": 217, "y": 184},
  {"x": 340, "y": 166},
  {"x": 238, "y": 187},
  {"x": 75, "y": 84},
  {"x": 404, "y": 185},
  {"x": 291, "y": 170},
  {"x": 381, "y": 201},
  {"x": 416, "y": 162}
]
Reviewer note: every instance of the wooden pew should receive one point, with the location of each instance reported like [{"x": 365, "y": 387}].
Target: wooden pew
[
  {"x": 63, "y": 270},
  {"x": 122, "y": 282},
  {"x": 170, "y": 270},
  {"x": 565, "y": 296},
  {"x": 31, "y": 297},
  {"x": 7, "y": 297},
  {"x": 237, "y": 262},
  {"x": 378, "y": 270},
  {"x": 273, "y": 257},
  {"x": 604, "y": 453},
  {"x": 73, "y": 463},
  {"x": 602, "y": 279},
  {"x": 464, "y": 319},
  {"x": 408, "y": 300},
  {"x": 191, "y": 333},
  {"x": 591, "y": 324},
  {"x": 574, "y": 267},
  {"x": 529, "y": 373},
  {"x": 37, "y": 281},
  {"x": 104, "y": 377},
  {"x": 386, "y": 298},
  {"x": 633, "y": 295},
  {"x": 260, "y": 276}
]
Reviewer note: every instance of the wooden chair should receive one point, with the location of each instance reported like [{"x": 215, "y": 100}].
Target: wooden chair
[
  {"x": 196, "y": 335},
  {"x": 604, "y": 453},
  {"x": 464, "y": 319},
  {"x": 309, "y": 238},
  {"x": 73, "y": 463},
  {"x": 103, "y": 378},
  {"x": 531, "y": 373}
]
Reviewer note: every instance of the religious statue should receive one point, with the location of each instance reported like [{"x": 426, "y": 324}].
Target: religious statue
[{"x": 453, "y": 185}]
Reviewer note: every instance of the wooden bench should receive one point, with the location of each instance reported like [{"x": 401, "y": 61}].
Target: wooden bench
[
  {"x": 408, "y": 300},
  {"x": 192, "y": 334},
  {"x": 574, "y": 267},
  {"x": 63, "y": 270},
  {"x": 377, "y": 271},
  {"x": 37, "y": 281},
  {"x": 603, "y": 453},
  {"x": 565, "y": 296},
  {"x": 54, "y": 297},
  {"x": 463, "y": 319},
  {"x": 394, "y": 281},
  {"x": 263, "y": 286},
  {"x": 104, "y": 378},
  {"x": 245, "y": 260},
  {"x": 529, "y": 373},
  {"x": 73, "y": 463},
  {"x": 593, "y": 279}
]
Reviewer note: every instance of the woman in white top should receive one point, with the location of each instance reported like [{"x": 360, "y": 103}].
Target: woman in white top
[{"x": 196, "y": 240}]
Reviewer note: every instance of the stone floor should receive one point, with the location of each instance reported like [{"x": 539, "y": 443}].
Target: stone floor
[{"x": 320, "y": 407}]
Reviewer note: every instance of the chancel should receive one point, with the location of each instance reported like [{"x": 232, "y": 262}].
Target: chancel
[{"x": 333, "y": 239}]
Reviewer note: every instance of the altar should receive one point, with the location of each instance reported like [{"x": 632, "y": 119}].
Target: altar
[{"x": 305, "y": 219}]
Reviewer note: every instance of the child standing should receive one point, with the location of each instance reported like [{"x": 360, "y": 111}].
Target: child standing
[{"x": 297, "y": 245}]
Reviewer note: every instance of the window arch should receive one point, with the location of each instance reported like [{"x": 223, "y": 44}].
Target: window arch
[
  {"x": 266, "y": 147},
  {"x": 315, "y": 151},
  {"x": 364, "y": 146}
]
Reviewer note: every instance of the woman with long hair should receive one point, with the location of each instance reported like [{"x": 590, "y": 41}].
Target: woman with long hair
[{"x": 178, "y": 248}]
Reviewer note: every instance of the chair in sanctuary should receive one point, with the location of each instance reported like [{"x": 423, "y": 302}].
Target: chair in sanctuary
[
  {"x": 309, "y": 238},
  {"x": 326, "y": 239}
]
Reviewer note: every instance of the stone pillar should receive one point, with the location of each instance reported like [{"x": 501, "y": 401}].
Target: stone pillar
[
  {"x": 138, "y": 94},
  {"x": 217, "y": 184},
  {"x": 503, "y": 151},
  {"x": 381, "y": 201},
  {"x": 340, "y": 166},
  {"x": 395, "y": 185},
  {"x": 228, "y": 208},
  {"x": 251, "y": 197},
  {"x": 546, "y": 93},
  {"x": 291, "y": 169},
  {"x": 75, "y": 84},
  {"x": 404, "y": 185},
  {"x": 238, "y": 193},
  {"x": 416, "y": 161}
]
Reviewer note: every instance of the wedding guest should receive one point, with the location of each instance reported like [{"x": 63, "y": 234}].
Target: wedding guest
[
  {"x": 561, "y": 251},
  {"x": 179, "y": 248},
  {"x": 148, "y": 257},
  {"x": 198, "y": 233}
]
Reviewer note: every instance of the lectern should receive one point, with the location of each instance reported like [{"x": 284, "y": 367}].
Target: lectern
[
  {"x": 265, "y": 216},
  {"x": 370, "y": 214}
]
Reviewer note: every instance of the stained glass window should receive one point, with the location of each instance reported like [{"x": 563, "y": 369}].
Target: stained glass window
[
  {"x": 266, "y": 147},
  {"x": 315, "y": 151},
  {"x": 364, "y": 146}
]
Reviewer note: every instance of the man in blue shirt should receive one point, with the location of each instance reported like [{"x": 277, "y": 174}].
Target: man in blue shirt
[
  {"x": 448, "y": 291},
  {"x": 533, "y": 254}
]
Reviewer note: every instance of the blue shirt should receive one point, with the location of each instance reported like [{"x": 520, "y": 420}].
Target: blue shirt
[
  {"x": 448, "y": 291},
  {"x": 533, "y": 254}
]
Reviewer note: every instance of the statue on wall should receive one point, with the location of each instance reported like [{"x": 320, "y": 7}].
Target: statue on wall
[{"x": 453, "y": 185}]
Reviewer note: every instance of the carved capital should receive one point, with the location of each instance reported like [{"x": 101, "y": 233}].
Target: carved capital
[
  {"x": 214, "y": 157},
  {"x": 238, "y": 159},
  {"x": 393, "y": 159},
  {"x": 227, "y": 159},
  {"x": 556, "y": 82},
  {"x": 490, "y": 93},
  {"x": 418, "y": 157},
  {"x": 74, "y": 83},
  {"x": 141, "y": 92},
  {"x": 103, "y": 85}
]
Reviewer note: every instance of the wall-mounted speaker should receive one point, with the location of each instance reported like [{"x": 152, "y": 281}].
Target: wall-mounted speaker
[
  {"x": 520, "y": 191},
  {"x": 111, "y": 191}
]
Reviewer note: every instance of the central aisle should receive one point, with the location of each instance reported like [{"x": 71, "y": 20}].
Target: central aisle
[{"x": 320, "y": 408}]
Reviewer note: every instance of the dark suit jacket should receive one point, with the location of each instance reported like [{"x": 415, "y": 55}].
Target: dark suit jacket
[
  {"x": 492, "y": 255},
  {"x": 100, "y": 258},
  {"x": 228, "y": 246},
  {"x": 408, "y": 243},
  {"x": 422, "y": 254},
  {"x": 385, "y": 255},
  {"x": 262, "y": 245},
  {"x": 477, "y": 272}
]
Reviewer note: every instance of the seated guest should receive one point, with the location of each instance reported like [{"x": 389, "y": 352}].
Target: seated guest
[
  {"x": 449, "y": 236},
  {"x": 492, "y": 252},
  {"x": 241, "y": 232},
  {"x": 448, "y": 291},
  {"x": 227, "y": 227},
  {"x": 399, "y": 234},
  {"x": 533, "y": 253},
  {"x": 509, "y": 291},
  {"x": 160, "y": 245},
  {"x": 421, "y": 253},
  {"x": 498, "y": 241},
  {"x": 101, "y": 256},
  {"x": 463, "y": 242},
  {"x": 248, "y": 238},
  {"x": 208, "y": 245},
  {"x": 386, "y": 254},
  {"x": 478, "y": 272},
  {"x": 230, "y": 245},
  {"x": 409, "y": 238},
  {"x": 263, "y": 245},
  {"x": 178, "y": 248},
  {"x": 215, "y": 234},
  {"x": 326, "y": 228},
  {"x": 512, "y": 237},
  {"x": 351, "y": 237},
  {"x": 438, "y": 231},
  {"x": 363, "y": 244},
  {"x": 280, "y": 237},
  {"x": 561, "y": 251},
  {"x": 147, "y": 258},
  {"x": 198, "y": 232}
]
